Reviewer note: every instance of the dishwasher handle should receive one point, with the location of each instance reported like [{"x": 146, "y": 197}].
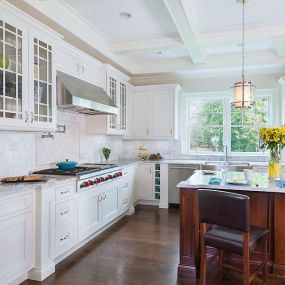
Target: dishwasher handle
[{"x": 184, "y": 167}]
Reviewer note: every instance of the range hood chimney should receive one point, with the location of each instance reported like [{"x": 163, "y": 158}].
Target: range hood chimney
[{"x": 82, "y": 97}]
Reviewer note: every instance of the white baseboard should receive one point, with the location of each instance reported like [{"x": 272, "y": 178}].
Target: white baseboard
[
  {"x": 39, "y": 274},
  {"x": 163, "y": 205},
  {"x": 147, "y": 202},
  {"x": 18, "y": 280},
  {"x": 131, "y": 211}
]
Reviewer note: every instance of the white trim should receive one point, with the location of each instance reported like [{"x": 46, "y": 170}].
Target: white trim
[{"x": 225, "y": 96}]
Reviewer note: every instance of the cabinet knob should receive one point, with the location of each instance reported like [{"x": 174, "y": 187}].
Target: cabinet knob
[
  {"x": 82, "y": 69},
  {"x": 171, "y": 131}
]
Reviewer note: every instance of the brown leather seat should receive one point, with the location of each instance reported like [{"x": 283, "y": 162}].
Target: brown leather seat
[
  {"x": 228, "y": 215},
  {"x": 232, "y": 240}
]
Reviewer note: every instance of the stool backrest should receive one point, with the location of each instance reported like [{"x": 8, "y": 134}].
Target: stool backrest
[{"x": 224, "y": 209}]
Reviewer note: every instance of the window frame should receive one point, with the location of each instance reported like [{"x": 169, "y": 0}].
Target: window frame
[{"x": 270, "y": 94}]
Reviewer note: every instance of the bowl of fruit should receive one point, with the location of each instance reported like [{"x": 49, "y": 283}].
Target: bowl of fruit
[{"x": 155, "y": 156}]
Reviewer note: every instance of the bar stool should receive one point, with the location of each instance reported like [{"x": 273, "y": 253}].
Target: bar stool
[{"x": 230, "y": 231}]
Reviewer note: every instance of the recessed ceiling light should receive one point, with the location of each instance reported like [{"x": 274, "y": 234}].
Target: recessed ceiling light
[{"x": 125, "y": 15}]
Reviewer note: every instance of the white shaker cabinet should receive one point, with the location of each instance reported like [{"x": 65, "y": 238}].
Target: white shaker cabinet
[
  {"x": 110, "y": 204},
  {"x": 144, "y": 182},
  {"x": 154, "y": 112},
  {"x": 13, "y": 71},
  {"x": 162, "y": 112},
  {"x": 16, "y": 237},
  {"x": 27, "y": 74},
  {"x": 140, "y": 115},
  {"x": 117, "y": 87},
  {"x": 88, "y": 214},
  {"x": 76, "y": 63}
]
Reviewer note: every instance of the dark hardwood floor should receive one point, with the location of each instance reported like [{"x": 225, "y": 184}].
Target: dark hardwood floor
[{"x": 142, "y": 249}]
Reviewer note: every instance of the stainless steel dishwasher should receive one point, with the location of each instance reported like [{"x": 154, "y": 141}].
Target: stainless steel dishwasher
[{"x": 176, "y": 174}]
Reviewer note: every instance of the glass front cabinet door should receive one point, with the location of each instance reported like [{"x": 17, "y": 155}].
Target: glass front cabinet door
[
  {"x": 117, "y": 91},
  {"x": 27, "y": 76},
  {"x": 42, "y": 83},
  {"x": 13, "y": 72}
]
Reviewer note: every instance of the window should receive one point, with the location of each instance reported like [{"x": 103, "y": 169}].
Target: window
[
  {"x": 206, "y": 125},
  {"x": 213, "y": 122},
  {"x": 245, "y": 126}
]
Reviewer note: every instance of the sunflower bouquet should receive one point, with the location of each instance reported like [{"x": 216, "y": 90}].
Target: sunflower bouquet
[{"x": 273, "y": 139}]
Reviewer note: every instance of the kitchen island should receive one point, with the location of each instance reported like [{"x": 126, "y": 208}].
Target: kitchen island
[{"x": 267, "y": 210}]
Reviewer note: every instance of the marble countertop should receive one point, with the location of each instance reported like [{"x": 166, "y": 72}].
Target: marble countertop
[
  {"x": 14, "y": 188},
  {"x": 259, "y": 182},
  {"x": 192, "y": 161}
]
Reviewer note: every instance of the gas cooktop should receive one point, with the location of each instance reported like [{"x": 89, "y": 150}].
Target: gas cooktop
[{"x": 79, "y": 170}]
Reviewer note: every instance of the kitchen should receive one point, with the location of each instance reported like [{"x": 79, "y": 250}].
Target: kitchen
[{"x": 72, "y": 86}]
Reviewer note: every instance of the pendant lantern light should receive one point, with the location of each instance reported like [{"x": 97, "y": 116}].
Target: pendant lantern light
[{"x": 243, "y": 90}]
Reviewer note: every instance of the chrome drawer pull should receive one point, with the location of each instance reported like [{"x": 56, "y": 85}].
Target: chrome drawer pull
[
  {"x": 65, "y": 237},
  {"x": 64, "y": 192},
  {"x": 64, "y": 212},
  {"x": 125, "y": 185}
]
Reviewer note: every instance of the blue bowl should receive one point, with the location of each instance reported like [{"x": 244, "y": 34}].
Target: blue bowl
[{"x": 64, "y": 165}]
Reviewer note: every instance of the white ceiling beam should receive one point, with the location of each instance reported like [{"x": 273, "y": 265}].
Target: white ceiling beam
[
  {"x": 146, "y": 44},
  {"x": 185, "y": 27}
]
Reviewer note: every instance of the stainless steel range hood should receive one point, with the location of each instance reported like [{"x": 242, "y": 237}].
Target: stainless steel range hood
[{"x": 82, "y": 97}]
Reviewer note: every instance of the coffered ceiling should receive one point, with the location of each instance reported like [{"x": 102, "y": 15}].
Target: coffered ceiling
[{"x": 192, "y": 37}]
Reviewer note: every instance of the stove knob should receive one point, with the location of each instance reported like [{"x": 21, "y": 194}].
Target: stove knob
[
  {"x": 86, "y": 184},
  {"x": 115, "y": 175},
  {"x": 107, "y": 178},
  {"x": 82, "y": 185},
  {"x": 110, "y": 176},
  {"x": 102, "y": 179},
  {"x": 90, "y": 182},
  {"x": 97, "y": 180},
  {"x": 120, "y": 173}
]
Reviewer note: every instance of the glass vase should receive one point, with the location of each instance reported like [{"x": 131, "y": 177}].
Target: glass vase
[{"x": 274, "y": 168}]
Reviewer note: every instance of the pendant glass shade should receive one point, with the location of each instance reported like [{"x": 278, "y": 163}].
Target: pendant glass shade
[
  {"x": 243, "y": 91},
  {"x": 243, "y": 94}
]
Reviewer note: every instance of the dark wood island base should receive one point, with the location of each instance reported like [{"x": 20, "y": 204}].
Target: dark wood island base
[{"x": 267, "y": 210}]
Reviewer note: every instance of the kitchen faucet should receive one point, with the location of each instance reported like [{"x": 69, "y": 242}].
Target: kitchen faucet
[{"x": 225, "y": 148}]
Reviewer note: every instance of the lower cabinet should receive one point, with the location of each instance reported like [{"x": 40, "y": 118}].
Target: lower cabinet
[
  {"x": 144, "y": 181},
  {"x": 66, "y": 219},
  {"x": 110, "y": 205},
  {"x": 16, "y": 239},
  {"x": 88, "y": 214}
]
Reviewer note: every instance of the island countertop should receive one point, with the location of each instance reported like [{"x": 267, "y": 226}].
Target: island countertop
[{"x": 259, "y": 183}]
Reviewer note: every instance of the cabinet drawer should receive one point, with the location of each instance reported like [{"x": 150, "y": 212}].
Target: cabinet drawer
[
  {"x": 64, "y": 213},
  {"x": 63, "y": 239},
  {"x": 64, "y": 192},
  {"x": 10, "y": 206}
]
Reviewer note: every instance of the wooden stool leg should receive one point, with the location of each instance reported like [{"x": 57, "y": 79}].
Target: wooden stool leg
[
  {"x": 264, "y": 261},
  {"x": 221, "y": 258},
  {"x": 203, "y": 267},
  {"x": 246, "y": 264}
]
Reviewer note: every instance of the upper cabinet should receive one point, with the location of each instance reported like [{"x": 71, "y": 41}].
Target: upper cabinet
[
  {"x": 13, "y": 71},
  {"x": 43, "y": 82},
  {"x": 76, "y": 63},
  {"x": 154, "y": 112},
  {"x": 117, "y": 87},
  {"x": 27, "y": 75}
]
